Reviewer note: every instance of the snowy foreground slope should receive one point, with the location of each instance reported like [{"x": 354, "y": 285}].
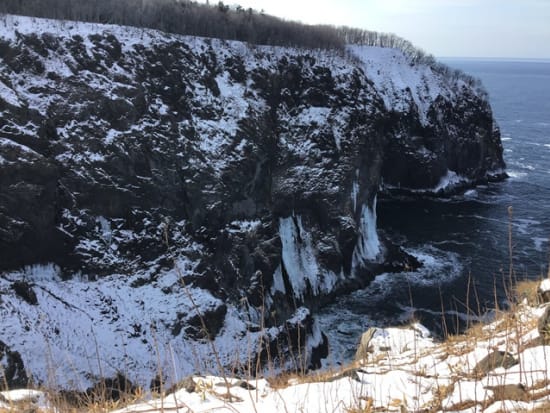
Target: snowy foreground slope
[
  {"x": 160, "y": 191},
  {"x": 498, "y": 367},
  {"x": 469, "y": 375}
]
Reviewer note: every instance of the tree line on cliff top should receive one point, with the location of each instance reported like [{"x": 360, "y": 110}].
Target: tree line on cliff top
[
  {"x": 198, "y": 19},
  {"x": 224, "y": 22}
]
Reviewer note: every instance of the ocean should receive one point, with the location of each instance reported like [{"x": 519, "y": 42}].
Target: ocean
[{"x": 473, "y": 244}]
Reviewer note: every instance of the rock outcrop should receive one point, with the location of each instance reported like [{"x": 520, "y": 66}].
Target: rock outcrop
[{"x": 150, "y": 181}]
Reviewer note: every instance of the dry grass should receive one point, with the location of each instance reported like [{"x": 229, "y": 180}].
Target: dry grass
[
  {"x": 528, "y": 290},
  {"x": 286, "y": 379},
  {"x": 543, "y": 408}
]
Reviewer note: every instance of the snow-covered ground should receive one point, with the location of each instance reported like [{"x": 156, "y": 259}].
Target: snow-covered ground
[{"x": 405, "y": 370}]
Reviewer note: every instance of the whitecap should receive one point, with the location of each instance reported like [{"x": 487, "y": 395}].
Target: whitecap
[
  {"x": 438, "y": 266},
  {"x": 538, "y": 241},
  {"x": 410, "y": 312},
  {"x": 524, "y": 165},
  {"x": 524, "y": 226},
  {"x": 516, "y": 174}
]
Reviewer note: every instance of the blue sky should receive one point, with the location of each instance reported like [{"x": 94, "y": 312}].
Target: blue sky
[{"x": 446, "y": 28}]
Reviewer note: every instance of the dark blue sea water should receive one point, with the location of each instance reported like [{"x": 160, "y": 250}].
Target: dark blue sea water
[{"x": 464, "y": 242}]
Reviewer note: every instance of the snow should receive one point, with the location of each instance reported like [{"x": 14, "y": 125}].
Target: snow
[
  {"x": 9, "y": 95},
  {"x": 410, "y": 371},
  {"x": 241, "y": 226},
  {"x": 12, "y": 399},
  {"x": 544, "y": 285},
  {"x": 111, "y": 136},
  {"x": 113, "y": 326},
  {"x": 398, "y": 82}
]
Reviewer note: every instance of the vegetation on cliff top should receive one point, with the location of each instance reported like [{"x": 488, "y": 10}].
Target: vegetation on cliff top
[{"x": 224, "y": 22}]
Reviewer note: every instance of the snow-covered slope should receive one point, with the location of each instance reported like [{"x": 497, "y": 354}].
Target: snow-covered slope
[
  {"x": 500, "y": 368},
  {"x": 493, "y": 368},
  {"x": 150, "y": 180}
]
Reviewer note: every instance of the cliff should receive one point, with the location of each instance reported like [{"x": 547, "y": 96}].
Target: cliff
[{"x": 167, "y": 197}]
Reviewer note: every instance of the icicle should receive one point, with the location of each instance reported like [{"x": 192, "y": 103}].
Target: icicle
[
  {"x": 300, "y": 260},
  {"x": 368, "y": 245}
]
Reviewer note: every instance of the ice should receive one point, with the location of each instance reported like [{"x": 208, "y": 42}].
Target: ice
[
  {"x": 298, "y": 255},
  {"x": 39, "y": 272},
  {"x": 299, "y": 259},
  {"x": 355, "y": 191},
  {"x": 278, "y": 283},
  {"x": 368, "y": 246}
]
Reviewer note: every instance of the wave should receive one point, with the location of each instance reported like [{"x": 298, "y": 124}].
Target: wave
[
  {"x": 412, "y": 312},
  {"x": 538, "y": 241},
  {"x": 516, "y": 174}
]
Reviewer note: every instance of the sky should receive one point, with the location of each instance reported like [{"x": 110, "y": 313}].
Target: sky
[{"x": 444, "y": 28}]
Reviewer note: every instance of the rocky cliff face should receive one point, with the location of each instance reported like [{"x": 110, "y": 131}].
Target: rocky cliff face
[{"x": 176, "y": 195}]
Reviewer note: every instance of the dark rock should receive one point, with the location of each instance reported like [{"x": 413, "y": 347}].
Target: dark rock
[
  {"x": 156, "y": 385},
  {"x": 363, "y": 350},
  {"x": 245, "y": 385},
  {"x": 319, "y": 353},
  {"x": 189, "y": 385},
  {"x": 543, "y": 326},
  {"x": 207, "y": 324},
  {"x": 24, "y": 290},
  {"x": 492, "y": 361},
  {"x": 12, "y": 369},
  {"x": 28, "y": 207},
  {"x": 515, "y": 392},
  {"x": 114, "y": 389}
]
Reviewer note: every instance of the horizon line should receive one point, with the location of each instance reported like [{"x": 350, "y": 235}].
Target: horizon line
[{"x": 487, "y": 58}]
